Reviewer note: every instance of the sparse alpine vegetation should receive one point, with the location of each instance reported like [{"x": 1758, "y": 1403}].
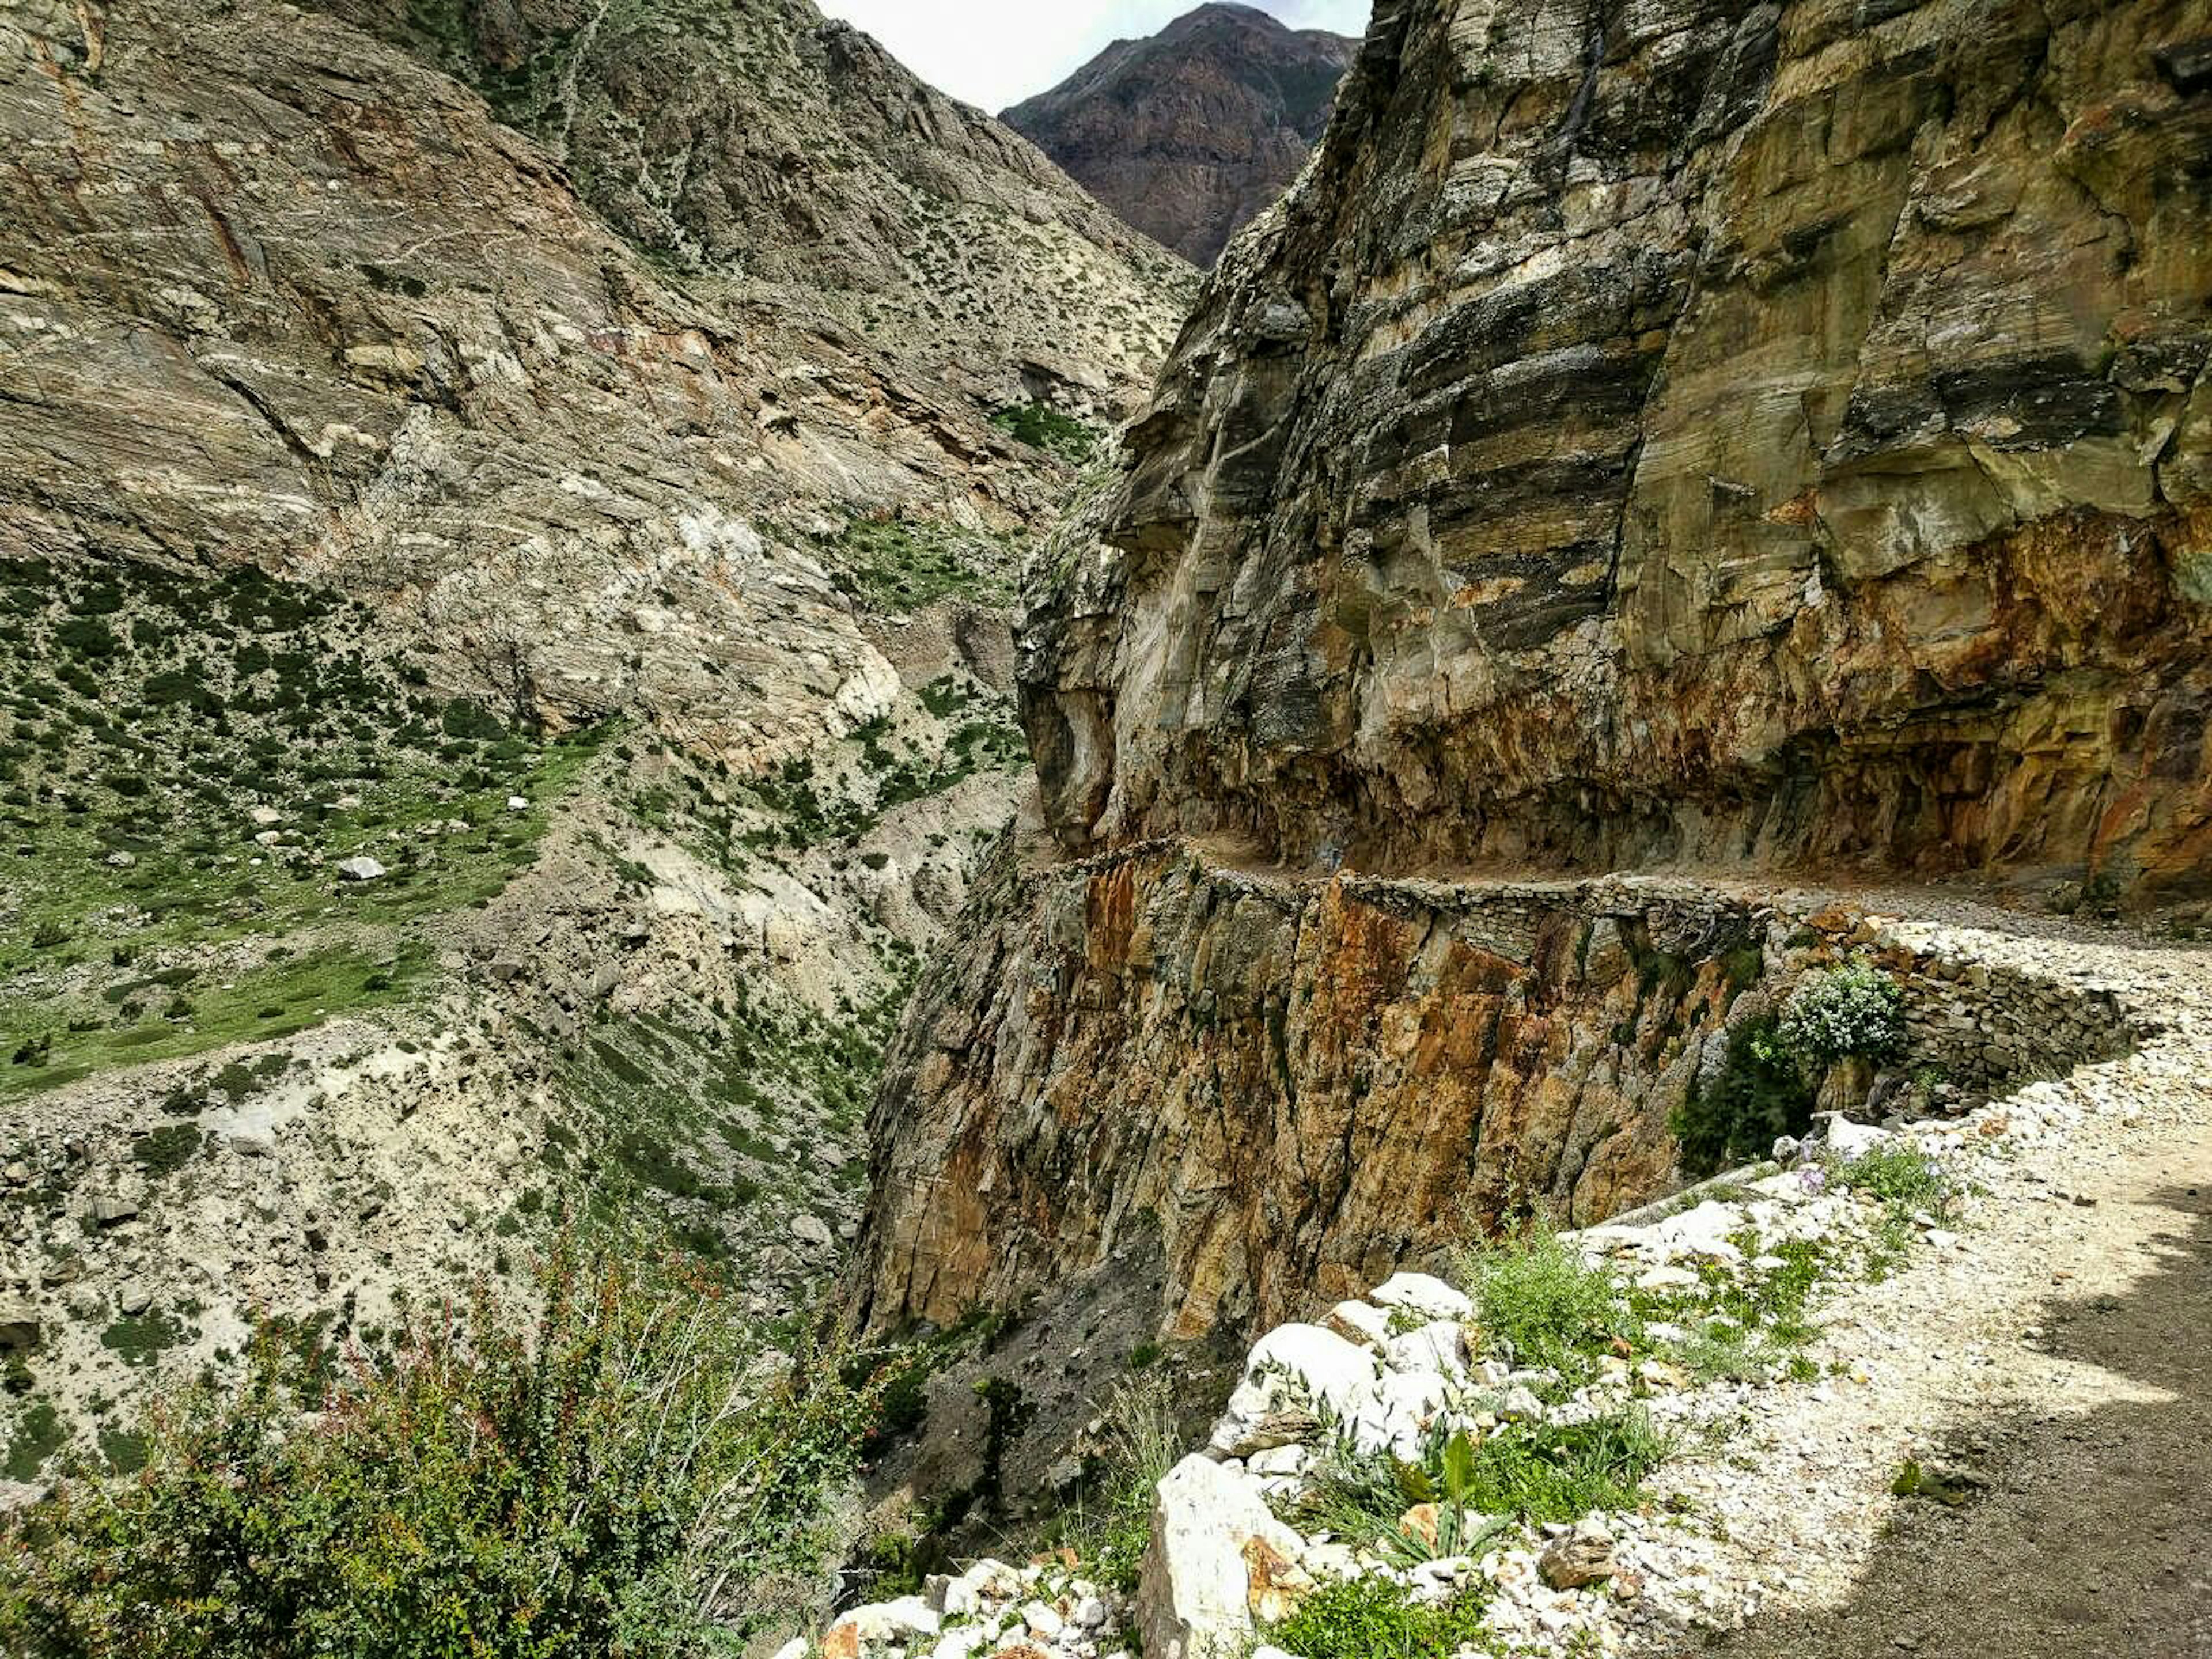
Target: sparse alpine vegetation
[{"x": 185, "y": 764}]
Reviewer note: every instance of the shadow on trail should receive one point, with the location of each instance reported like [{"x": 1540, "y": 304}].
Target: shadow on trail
[{"x": 2093, "y": 1537}]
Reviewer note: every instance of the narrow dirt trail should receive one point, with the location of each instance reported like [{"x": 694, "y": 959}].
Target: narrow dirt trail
[
  {"x": 2053, "y": 1367},
  {"x": 2092, "y": 1535}
]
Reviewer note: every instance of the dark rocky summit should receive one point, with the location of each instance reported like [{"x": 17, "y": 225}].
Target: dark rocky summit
[{"x": 1190, "y": 134}]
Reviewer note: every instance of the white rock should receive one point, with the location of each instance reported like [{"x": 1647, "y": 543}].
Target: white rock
[
  {"x": 1361, "y": 1320},
  {"x": 1701, "y": 1232},
  {"x": 1395, "y": 1417},
  {"x": 517, "y": 804},
  {"x": 1192, "y": 1599},
  {"x": 907, "y": 1616},
  {"x": 1439, "y": 1346},
  {"x": 1848, "y": 1140},
  {"x": 1044, "y": 1622},
  {"x": 1295, "y": 1365},
  {"x": 1422, "y": 1294},
  {"x": 360, "y": 868},
  {"x": 265, "y": 816}
]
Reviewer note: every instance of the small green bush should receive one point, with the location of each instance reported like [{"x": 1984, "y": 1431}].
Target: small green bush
[
  {"x": 1856, "y": 1011},
  {"x": 1377, "y": 1618},
  {"x": 620, "y": 1474},
  {"x": 1760, "y": 1097},
  {"x": 1537, "y": 1294},
  {"x": 1042, "y": 426}
]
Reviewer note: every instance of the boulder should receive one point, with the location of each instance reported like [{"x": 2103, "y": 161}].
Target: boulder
[
  {"x": 1422, "y": 1294},
  {"x": 1293, "y": 1367},
  {"x": 1440, "y": 1346},
  {"x": 360, "y": 868},
  {"x": 1581, "y": 1556},
  {"x": 1847, "y": 1140},
  {"x": 1194, "y": 1598},
  {"x": 1360, "y": 1322}
]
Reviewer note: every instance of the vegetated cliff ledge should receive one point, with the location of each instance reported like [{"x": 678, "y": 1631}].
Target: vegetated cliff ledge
[
  {"x": 1305, "y": 1084},
  {"x": 1773, "y": 433}
]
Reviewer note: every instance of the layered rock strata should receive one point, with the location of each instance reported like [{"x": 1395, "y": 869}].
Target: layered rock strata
[
  {"x": 1771, "y": 434},
  {"x": 1700, "y": 436}
]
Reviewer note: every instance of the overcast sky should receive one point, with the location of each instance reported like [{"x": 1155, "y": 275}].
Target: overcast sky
[{"x": 997, "y": 52}]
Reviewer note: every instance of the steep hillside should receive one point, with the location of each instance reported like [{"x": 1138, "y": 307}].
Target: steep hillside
[
  {"x": 501, "y": 684},
  {"x": 1773, "y": 439},
  {"x": 1190, "y": 133},
  {"x": 794, "y": 157}
]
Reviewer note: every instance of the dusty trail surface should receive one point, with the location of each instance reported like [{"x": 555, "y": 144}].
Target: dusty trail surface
[{"x": 2053, "y": 1370}]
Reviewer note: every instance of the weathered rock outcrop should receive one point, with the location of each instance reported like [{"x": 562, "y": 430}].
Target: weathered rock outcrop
[
  {"x": 1304, "y": 1083},
  {"x": 757, "y": 141},
  {"x": 1191, "y": 134},
  {"x": 1771, "y": 437},
  {"x": 1712, "y": 432}
]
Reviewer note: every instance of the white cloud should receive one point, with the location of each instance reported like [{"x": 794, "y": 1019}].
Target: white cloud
[{"x": 997, "y": 52}]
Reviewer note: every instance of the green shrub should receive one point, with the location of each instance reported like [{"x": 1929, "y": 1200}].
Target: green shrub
[
  {"x": 1376, "y": 1618},
  {"x": 1536, "y": 1473},
  {"x": 624, "y": 1472},
  {"x": 1856, "y": 1011},
  {"x": 1042, "y": 426},
  {"x": 1760, "y": 1097}
]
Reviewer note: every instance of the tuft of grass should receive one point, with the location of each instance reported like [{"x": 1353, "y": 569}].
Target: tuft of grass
[
  {"x": 1113, "y": 1523},
  {"x": 1555, "y": 1311},
  {"x": 1747, "y": 1324},
  {"x": 1902, "y": 1174},
  {"x": 1535, "y": 1473}
]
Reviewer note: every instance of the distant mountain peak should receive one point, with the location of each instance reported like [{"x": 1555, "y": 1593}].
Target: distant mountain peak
[{"x": 1189, "y": 133}]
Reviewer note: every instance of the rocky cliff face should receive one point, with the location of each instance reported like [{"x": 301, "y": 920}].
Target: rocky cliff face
[
  {"x": 1190, "y": 134},
  {"x": 505, "y": 654},
  {"x": 1772, "y": 435},
  {"x": 1765, "y": 437}
]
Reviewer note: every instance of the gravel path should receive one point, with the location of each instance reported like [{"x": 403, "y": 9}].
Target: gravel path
[{"x": 2054, "y": 1368}]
